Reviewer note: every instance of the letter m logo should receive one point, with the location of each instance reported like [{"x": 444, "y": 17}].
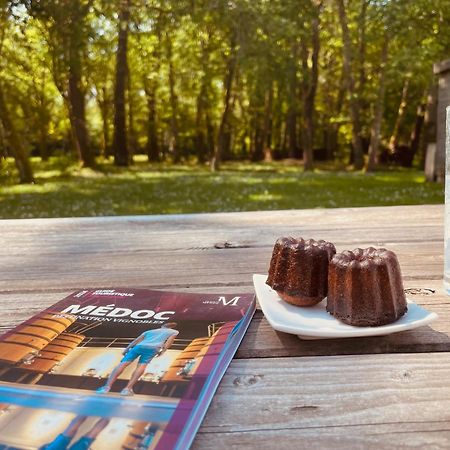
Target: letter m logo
[{"x": 232, "y": 302}]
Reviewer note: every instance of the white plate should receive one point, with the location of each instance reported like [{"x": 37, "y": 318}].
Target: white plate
[{"x": 315, "y": 323}]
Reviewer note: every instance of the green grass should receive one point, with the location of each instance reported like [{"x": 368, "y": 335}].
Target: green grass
[{"x": 64, "y": 190}]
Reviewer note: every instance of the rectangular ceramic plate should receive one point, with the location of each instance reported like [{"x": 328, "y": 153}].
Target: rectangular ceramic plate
[{"x": 313, "y": 322}]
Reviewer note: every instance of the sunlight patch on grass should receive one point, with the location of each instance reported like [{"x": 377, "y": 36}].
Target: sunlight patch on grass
[
  {"x": 265, "y": 196},
  {"x": 63, "y": 189}
]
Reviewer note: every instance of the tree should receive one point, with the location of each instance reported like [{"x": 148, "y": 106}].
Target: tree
[
  {"x": 354, "y": 105},
  {"x": 217, "y": 80},
  {"x": 9, "y": 131},
  {"x": 224, "y": 128},
  {"x": 100, "y": 69},
  {"x": 310, "y": 81},
  {"x": 13, "y": 137},
  {"x": 375, "y": 136},
  {"x": 120, "y": 147},
  {"x": 66, "y": 27},
  {"x": 174, "y": 141},
  {"x": 150, "y": 82}
]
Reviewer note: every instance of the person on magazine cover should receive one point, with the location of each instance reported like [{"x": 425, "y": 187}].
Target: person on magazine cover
[
  {"x": 63, "y": 440},
  {"x": 148, "y": 345}
]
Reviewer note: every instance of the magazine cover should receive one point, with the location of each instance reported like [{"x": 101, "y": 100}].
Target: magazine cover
[{"x": 117, "y": 368}]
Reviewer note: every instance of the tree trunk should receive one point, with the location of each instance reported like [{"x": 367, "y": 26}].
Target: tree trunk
[
  {"x": 150, "y": 82},
  {"x": 362, "y": 44},
  {"x": 278, "y": 123},
  {"x": 332, "y": 132},
  {"x": 75, "y": 95},
  {"x": 430, "y": 121},
  {"x": 105, "y": 135},
  {"x": 17, "y": 148},
  {"x": 105, "y": 130},
  {"x": 202, "y": 114},
  {"x": 210, "y": 134},
  {"x": 364, "y": 104},
  {"x": 291, "y": 132},
  {"x": 133, "y": 144},
  {"x": 379, "y": 110},
  {"x": 43, "y": 144},
  {"x": 284, "y": 143},
  {"x": 224, "y": 128},
  {"x": 44, "y": 117},
  {"x": 310, "y": 89},
  {"x": 394, "y": 140},
  {"x": 358, "y": 156},
  {"x": 291, "y": 121},
  {"x": 267, "y": 127},
  {"x": 257, "y": 100},
  {"x": 77, "y": 113},
  {"x": 120, "y": 147},
  {"x": 416, "y": 133},
  {"x": 71, "y": 91},
  {"x": 200, "y": 138},
  {"x": 152, "y": 146},
  {"x": 2, "y": 145},
  {"x": 102, "y": 101},
  {"x": 256, "y": 149},
  {"x": 173, "y": 104}
]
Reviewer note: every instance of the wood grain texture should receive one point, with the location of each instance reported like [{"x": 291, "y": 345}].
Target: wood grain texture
[
  {"x": 280, "y": 392},
  {"x": 45, "y": 259},
  {"x": 344, "y": 402},
  {"x": 201, "y": 250},
  {"x": 262, "y": 341}
]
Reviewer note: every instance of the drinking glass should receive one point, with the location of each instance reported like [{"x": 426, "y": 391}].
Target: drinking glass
[{"x": 447, "y": 205}]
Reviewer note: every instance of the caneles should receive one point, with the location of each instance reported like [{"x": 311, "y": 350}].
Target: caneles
[
  {"x": 365, "y": 287},
  {"x": 299, "y": 270}
]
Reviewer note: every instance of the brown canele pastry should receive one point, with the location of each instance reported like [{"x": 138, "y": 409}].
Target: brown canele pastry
[
  {"x": 365, "y": 287},
  {"x": 299, "y": 270}
]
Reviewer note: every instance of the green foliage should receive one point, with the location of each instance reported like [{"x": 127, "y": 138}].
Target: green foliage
[
  {"x": 179, "y": 56},
  {"x": 63, "y": 190}
]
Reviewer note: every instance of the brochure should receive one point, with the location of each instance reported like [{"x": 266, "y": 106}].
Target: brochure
[{"x": 117, "y": 369}]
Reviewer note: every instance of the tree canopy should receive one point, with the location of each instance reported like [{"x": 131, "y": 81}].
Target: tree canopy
[{"x": 213, "y": 80}]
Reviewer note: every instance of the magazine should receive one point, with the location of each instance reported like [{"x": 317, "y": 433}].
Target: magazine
[{"x": 117, "y": 369}]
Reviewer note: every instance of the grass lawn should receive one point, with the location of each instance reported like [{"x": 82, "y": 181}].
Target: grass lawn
[{"x": 63, "y": 190}]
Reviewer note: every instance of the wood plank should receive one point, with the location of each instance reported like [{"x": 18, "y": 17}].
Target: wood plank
[
  {"x": 44, "y": 260},
  {"x": 421, "y": 435},
  {"x": 396, "y": 400},
  {"x": 340, "y": 402},
  {"x": 365, "y": 216},
  {"x": 205, "y": 230},
  {"x": 261, "y": 341},
  {"x": 203, "y": 249},
  {"x": 170, "y": 237},
  {"x": 95, "y": 266}
]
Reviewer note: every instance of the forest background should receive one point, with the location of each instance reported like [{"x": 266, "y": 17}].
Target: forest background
[{"x": 110, "y": 107}]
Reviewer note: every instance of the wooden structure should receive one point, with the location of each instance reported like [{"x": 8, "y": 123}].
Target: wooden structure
[
  {"x": 279, "y": 392},
  {"x": 435, "y": 158}
]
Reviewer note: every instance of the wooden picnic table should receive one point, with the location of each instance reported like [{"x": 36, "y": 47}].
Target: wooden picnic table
[{"x": 279, "y": 392}]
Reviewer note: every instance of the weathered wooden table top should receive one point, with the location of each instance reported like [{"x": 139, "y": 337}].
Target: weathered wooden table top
[{"x": 279, "y": 392}]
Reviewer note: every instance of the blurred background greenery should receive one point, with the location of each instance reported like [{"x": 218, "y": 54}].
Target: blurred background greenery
[{"x": 177, "y": 106}]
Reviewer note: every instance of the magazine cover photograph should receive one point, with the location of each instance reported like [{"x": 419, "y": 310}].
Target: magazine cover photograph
[{"x": 117, "y": 368}]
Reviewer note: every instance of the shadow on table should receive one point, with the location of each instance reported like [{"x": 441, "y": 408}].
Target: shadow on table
[{"x": 262, "y": 341}]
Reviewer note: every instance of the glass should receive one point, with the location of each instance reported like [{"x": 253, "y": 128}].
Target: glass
[{"x": 447, "y": 206}]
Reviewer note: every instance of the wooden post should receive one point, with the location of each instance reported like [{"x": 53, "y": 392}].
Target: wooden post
[{"x": 442, "y": 70}]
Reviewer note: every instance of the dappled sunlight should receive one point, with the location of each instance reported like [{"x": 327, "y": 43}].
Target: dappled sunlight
[
  {"x": 265, "y": 196},
  {"x": 242, "y": 186}
]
